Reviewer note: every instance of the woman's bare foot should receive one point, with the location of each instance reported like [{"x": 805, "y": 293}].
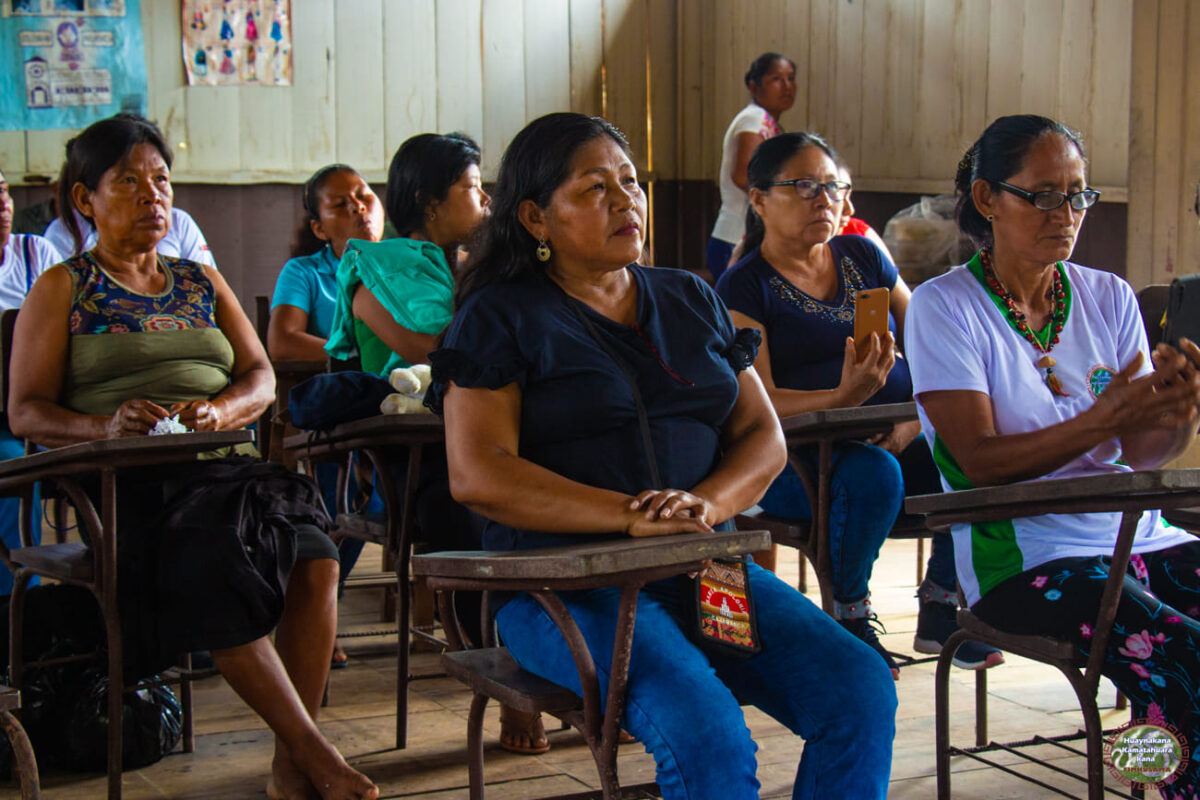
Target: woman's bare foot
[
  {"x": 521, "y": 732},
  {"x": 287, "y": 782},
  {"x": 329, "y": 773}
]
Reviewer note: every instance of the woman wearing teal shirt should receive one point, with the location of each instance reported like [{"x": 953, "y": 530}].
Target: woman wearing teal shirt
[
  {"x": 339, "y": 205},
  {"x": 395, "y": 296}
]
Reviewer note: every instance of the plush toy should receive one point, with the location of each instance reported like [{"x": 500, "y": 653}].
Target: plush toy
[{"x": 410, "y": 384}]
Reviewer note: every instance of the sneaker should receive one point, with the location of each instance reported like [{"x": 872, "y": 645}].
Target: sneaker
[
  {"x": 935, "y": 622},
  {"x": 864, "y": 629}
]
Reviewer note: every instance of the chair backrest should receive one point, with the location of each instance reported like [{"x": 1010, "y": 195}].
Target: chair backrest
[
  {"x": 262, "y": 316},
  {"x": 1152, "y": 302},
  {"x": 8, "y": 323}
]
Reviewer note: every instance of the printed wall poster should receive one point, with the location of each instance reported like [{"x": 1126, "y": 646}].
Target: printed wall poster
[
  {"x": 237, "y": 42},
  {"x": 67, "y": 63}
]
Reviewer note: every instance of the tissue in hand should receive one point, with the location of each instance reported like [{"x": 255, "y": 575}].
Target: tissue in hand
[{"x": 168, "y": 425}]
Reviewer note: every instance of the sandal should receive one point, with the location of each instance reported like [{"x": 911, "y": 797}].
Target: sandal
[
  {"x": 339, "y": 660},
  {"x": 522, "y": 733}
]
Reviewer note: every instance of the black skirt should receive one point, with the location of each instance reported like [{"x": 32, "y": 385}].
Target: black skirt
[{"x": 204, "y": 550}]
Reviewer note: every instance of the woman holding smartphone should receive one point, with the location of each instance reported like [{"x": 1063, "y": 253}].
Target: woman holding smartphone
[{"x": 797, "y": 284}]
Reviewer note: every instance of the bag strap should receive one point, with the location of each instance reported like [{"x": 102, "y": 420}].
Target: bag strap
[
  {"x": 27, "y": 246},
  {"x": 630, "y": 376}
]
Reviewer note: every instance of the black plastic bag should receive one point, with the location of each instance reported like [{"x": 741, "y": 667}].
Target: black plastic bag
[
  {"x": 64, "y": 707},
  {"x": 152, "y": 724}
]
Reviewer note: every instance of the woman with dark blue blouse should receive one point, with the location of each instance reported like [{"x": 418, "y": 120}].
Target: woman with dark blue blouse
[
  {"x": 555, "y": 326},
  {"x": 796, "y": 286}
]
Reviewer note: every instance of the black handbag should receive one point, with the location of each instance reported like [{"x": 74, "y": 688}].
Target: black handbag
[
  {"x": 722, "y": 620},
  {"x": 331, "y": 398}
]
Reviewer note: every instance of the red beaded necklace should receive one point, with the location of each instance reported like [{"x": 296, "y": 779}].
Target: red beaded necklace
[{"x": 1058, "y": 318}]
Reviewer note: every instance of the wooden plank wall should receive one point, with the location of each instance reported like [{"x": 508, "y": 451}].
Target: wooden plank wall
[
  {"x": 371, "y": 73},
  {"x": 1164, "y": 158},
  {"x": 900, "y": 86}
]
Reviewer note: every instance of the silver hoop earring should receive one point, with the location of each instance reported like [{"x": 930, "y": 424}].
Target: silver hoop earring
[
  {"x": 991, "y": 217},
  {"x": 543, "y": 250}
]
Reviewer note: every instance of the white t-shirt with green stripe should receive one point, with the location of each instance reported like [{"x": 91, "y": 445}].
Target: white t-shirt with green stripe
[{"x": 957, "y": 338}]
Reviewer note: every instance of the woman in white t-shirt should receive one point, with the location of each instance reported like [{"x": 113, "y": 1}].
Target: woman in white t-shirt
[
  {"x": 23, "y": 257},
  {"x": 1027, "y": 366},
  {"x": 771, "y": 80}
]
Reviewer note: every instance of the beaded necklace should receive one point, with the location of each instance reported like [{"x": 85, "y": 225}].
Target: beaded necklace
[{"x": 1058, "y": 317}]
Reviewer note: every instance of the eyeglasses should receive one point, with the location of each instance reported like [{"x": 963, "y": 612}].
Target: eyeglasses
[
  {"x": 807, "y": 188},
  {"x": 1050, "y": 200}
]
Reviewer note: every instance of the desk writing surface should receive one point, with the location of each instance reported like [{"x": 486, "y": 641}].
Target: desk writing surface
[
  {"x": 1111, "y": 492},
  {"x": 382, "y": 428},
  {"x": 846, "y": 423},
  {"x": 126, "y": 451},
  {"x": 612, "y": 556}
]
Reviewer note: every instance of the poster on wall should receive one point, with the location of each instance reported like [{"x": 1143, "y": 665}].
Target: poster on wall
[
  {"x": 238, "y": 42},
  {"x": 67, "y": 63}
]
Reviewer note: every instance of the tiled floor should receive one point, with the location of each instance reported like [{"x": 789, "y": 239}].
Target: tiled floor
[{"x": 233, "y": 747}]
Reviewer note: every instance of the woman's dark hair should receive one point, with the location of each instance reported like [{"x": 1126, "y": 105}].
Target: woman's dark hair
[
  {"x": 306, "y": 242},
  {"x": 97, "y": 149},
  {"x": 997, "y": 155},
  {"x": 535, "y": 164},
  {"x": 762, "y": 65},
  {"x": 423, "y": 170},
  {"x": 767, "y": 161}
]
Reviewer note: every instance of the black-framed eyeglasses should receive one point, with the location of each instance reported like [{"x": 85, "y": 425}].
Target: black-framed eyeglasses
[
  {"x": 807, "y": 188},
  {"x": 1049, "y": 200}
]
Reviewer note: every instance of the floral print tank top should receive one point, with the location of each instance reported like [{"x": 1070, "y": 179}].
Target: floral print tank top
[{"x": 102, "y": 305}]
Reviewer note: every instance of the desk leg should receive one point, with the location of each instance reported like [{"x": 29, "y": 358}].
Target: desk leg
[
  {"x": 601, "y": 731},
  {"x": 24, "y": 762},
  {"x": 1110, "y": 599},
  {"x": 107, "y": 576},
  {"x": 401, "y": 541},
  {"x": 819, "y": 500}
]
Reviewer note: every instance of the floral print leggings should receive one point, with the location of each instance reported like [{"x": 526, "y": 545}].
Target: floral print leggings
[{"x": 1154, "y": 650}]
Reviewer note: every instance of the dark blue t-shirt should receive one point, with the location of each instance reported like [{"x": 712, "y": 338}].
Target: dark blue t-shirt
[
  {"x": 807, "y": 336},
  {"x": 578, "y": 414}
]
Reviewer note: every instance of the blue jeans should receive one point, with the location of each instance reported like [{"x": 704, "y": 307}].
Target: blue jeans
[
  {"x": 717, "y": 255},
  {"x": 812, "y": 676},
  {"x": 10, "y": 518},
  {"x": 866, "y": 494}
]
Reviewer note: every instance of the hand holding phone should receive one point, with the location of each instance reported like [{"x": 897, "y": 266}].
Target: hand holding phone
[{"x": 870, "y": 316}]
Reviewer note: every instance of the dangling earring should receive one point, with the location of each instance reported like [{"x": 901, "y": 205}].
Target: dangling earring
[{"x": 543, "y": 250}]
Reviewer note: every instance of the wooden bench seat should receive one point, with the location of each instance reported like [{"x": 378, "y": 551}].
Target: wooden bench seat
[{"x": 493, "y": 672}]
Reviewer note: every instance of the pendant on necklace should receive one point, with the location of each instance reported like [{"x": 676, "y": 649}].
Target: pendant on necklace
[{"x": 1047, "y": 363}]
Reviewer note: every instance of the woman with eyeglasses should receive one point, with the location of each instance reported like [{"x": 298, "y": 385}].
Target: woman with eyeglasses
[
  {"x": 797, "y": 285},
  {"x": 1027, "y": 366}
]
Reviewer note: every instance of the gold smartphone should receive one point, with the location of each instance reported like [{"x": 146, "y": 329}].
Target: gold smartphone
[{"x": 870, "y": 316}]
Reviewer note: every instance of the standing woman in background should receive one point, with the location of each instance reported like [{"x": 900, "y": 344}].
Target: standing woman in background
[{"x": 771, "y": 80}]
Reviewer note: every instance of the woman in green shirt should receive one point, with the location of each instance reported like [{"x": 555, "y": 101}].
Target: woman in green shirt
[{"x": 395, "y": 296}]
